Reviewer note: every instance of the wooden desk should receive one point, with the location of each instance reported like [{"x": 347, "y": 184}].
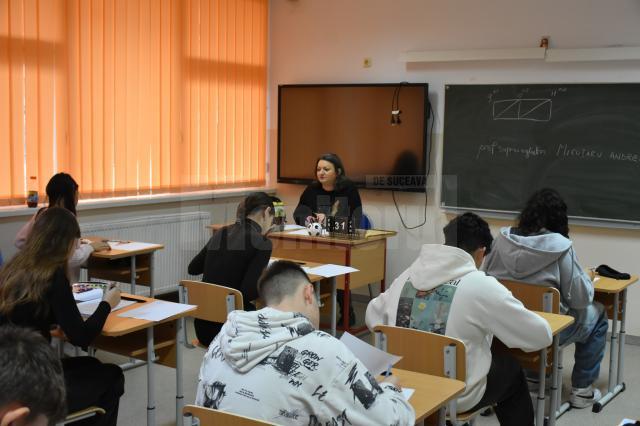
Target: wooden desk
[
  {"x": 368, "y": 255},
  {"x": 557, "y": 323},
  {"x": 126, "y": 336},
  {"x": 431, "y": 392},
  {"x": 613, "y": 295},
  {"x": 133, "y": 266}
]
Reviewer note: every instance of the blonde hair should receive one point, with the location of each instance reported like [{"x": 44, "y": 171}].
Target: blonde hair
[{"x": 27, "y": 276}]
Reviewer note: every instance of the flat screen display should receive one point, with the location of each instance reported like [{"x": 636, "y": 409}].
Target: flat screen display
[{"x": 354, "y": 121}]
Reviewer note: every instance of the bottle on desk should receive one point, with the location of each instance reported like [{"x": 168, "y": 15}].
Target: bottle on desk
[{"x": 32, "y": 192}]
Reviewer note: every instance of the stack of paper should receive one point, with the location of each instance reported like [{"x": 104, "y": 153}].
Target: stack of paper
[
  {"x": 330, "y": 270},
  {"x": 157, "y": 310},
  {"x": 92, "y": 294},
  {"x": 88, "y": 308},
  {"x": 377, "y": 361},
  {"x": 292, "y": 227},
  {"x": 129, "y": 246}
]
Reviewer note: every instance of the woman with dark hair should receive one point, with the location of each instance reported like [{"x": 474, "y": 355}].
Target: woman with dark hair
[
  {"x": 539, "y": 251},
  {"x": 331, "y": 194},
  {"x": 235, "y": 256},
  {"x": 62, "y": 191},
  {"x": 35, "y": 293}
]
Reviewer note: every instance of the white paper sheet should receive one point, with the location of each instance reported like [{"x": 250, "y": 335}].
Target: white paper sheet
[
  {"x": 93, "y": 294},
  {"x": 156, "y": 310},
  {"x": 407, "y": 393},
  {"x": 302, "y": 231},
  {"x": 292, "y": 227},
  {"x": 376, "y": 361},
  {"x": 130, "y": 246},
  {"x": 330, "y": 270},
  {"x": 88, "y": 308}
]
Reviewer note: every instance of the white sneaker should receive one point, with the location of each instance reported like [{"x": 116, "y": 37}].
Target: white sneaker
[{"x": 584, "y": 397}]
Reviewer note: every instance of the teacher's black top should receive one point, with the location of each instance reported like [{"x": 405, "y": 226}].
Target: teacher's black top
[
  {"x": 314, "y": 199},
  {"x": 58, "y": 307}
]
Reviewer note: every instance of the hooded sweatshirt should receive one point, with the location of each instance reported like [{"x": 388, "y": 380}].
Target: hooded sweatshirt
[
  {"x": 275, "y": 366},
  {"x": 443, "y": 292},
  {"x": 545, "y": 259}
]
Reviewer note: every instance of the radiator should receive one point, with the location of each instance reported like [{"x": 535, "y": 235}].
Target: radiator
[{"x": 182, "y": 234}]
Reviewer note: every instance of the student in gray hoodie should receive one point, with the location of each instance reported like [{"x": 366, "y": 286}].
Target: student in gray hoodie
[{"x": 539, "y": 251}]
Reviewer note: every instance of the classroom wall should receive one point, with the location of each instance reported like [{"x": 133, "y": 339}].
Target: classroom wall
[{"x": 325, "y": 41}]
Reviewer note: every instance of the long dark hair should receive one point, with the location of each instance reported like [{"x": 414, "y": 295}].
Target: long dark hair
[
  {"x": 341, "y": 176},
  {"x": 61, "y": 191},
  {"x": 545, "y": 210},
  {"x": 27, "y": 276}
]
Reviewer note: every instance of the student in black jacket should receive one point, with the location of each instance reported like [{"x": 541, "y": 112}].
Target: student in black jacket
[
  {"x": 35, "y": 293},
  {"x": 235, "y": 256},
  {"x": 332, "y": 194}
]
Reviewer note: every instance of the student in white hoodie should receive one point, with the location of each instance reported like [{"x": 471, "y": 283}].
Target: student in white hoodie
[
  {"x": 273, "y": 364},
  {"x": 444, "y": 292},
  {"x": 539, "y": 251}
]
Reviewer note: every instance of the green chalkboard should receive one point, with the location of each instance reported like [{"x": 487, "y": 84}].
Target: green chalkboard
[{"x": 502, "y": 142}]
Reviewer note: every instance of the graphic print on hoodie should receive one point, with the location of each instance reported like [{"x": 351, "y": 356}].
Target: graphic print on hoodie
[
  {"x": 275, "y": 366},
  {"x": 426, "y": 310}
]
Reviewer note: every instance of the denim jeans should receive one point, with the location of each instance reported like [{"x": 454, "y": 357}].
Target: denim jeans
[{"x": 589, "y": 333}]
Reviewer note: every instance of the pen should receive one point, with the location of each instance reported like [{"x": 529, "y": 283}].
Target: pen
[{"x": 388, "y": 372}]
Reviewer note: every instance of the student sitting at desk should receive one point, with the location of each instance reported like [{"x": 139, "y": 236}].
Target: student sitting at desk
[
  {"x": 331, "y": 194},
  {"x": 31, "y": 382},
  {"x": 539, "y": 251},
  {"x": 273, "y": 364},
  {"x": 62, "y": 191},
  {"x": 35, "y": 293},
  {"x": 235, "y": 256},
  {"x": 443, "y": 292}
]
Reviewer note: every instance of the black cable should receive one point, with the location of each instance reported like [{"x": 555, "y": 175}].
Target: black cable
[{"x": 393, "y": 194}]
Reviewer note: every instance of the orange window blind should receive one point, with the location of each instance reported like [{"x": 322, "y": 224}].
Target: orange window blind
[{"x": 132, "y": 97}]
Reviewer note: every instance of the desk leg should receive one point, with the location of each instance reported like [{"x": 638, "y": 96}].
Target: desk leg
[
  {"x": 151, "y": 273},
  {"x": 151, "y": 401},
  {"x": 612, "y": 389},
  {"x": 621, "y": 340},
  {"x": 133, "y": 275},
  {"x": 616, "y": 361},
  {"x": 553, "y": 395},
  {"x": 334, "y": 301},
  {"x": 179, "y": 390},
  {"x": 541, "y": 396},
  {"x": 613, "y": 361}
]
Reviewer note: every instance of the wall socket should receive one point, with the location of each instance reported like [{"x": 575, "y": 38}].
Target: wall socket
[{"x": 366, "y": 63}]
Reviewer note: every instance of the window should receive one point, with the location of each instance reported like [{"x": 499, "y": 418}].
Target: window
[{"x": 132, "y": 97}]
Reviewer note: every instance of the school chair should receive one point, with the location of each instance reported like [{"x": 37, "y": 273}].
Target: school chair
[
  {"x": 214, "y": 302},
  {"x": 81, "y": 415},
  {"x": 545, "y": 299},
  {"x": 429, "y": 353},
  {"x": 194, "y": 415}
]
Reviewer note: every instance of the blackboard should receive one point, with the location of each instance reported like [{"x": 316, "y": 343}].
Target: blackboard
[{"x": 502, "y": 142}]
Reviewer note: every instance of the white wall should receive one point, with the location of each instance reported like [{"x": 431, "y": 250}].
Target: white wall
[{"x": 325, "y": 41}]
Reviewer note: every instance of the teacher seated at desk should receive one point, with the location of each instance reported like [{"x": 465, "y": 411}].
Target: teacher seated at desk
[
  {"x": 332, "y": 194},
  {"x": 235, "y": 256}
]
